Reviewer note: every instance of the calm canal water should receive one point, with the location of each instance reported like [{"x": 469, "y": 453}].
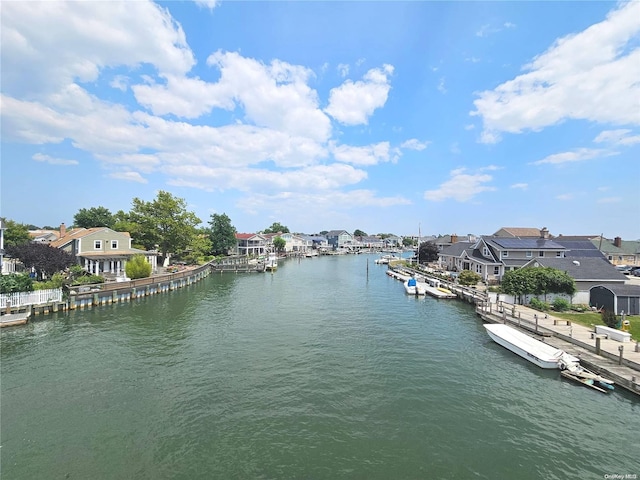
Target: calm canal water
[{"x": 316, "y": 372}]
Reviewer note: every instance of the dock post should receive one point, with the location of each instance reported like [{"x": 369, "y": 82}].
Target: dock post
[
  {"x": 535, "y": 315},
  {"x": 8, "y": 312},
  {"x": 621, "y": 350},
  {"x": 638, "y": 346},
  {"x": 598, "y": 345}
]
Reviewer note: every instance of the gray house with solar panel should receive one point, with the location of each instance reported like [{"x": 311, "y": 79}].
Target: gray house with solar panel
[{"x": 491, "y": 257}]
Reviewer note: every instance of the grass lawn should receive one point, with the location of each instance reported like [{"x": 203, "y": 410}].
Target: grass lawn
[{"x": 592, "y": 318}]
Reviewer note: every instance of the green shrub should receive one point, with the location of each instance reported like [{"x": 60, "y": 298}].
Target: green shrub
[
  {"x": 88, "y": 279},
  {"x": 56, "y": 281},
  {"x": 539, "y": 305},
  {"x": 609, "y": 318},
  {"x": 16, "y": 282},
  {"x": 467, "y": 277},
  {"x": 561, "y": 304},
  {"x": 138, "y": 267},
  {"x": 580, "y": 308}
]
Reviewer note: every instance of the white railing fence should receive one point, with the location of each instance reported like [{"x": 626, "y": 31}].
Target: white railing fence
[{"x": 37, "y": 297}]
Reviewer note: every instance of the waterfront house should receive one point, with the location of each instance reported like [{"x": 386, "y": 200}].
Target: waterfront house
[
  {"x": 294, "y": 243},
  {"x": 101, "y": 250},
  {"x": 491, "y": 257},
  {"x": 252, "y": 244},
  {"x": 318, "y": 242},
  {"x": 339, "y": 239},
  {"x": 370, "y": 241}
]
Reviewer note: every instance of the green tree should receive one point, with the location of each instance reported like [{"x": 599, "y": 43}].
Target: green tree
[
  {"x": 276, "y": 228},
  {"x": 15, "y": 233},
  {"x": 94, "y": 217},
  {"x": 43, "y": 258},
  {"x": 165, "y": 223},
  {"x": 537, "y": 281},
  {"x": 137, "y": 267},
  {"x": 16, "y": 282},
  {"x": 199, "y": 249},
  {"x": 428, "y": 252},
  {"x": 122, "y": 222},
  {"x": 467, "y": 277},
  {"x": 279, "y": 243},
  {"x": 222, "y": 234},
  {"x": 408, "y": 242},
  {"x": 359, "y": 233}
]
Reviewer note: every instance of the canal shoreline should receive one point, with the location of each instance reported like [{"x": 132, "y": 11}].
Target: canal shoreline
[{"x": 619, "y": 361}]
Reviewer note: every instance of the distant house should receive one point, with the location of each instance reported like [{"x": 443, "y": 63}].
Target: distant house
[
  {"x": 101, "y": 250},
  {"x": 444, "y": 241},
  {"x": 252, "y": 244},
  {"x": 618, "y": 251},
  {"x": 371, "y": 241},
  {"x": 522, "y": 232},
  {"x": 317, "y": 241},
  {"x": 339, "y": 239},
  {"x": 294, "y": 243}
]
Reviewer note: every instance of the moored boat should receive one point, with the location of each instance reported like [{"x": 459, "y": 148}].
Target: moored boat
[
  {"x": 537, "y": 352},
  {"x": 547, "y": 356}
]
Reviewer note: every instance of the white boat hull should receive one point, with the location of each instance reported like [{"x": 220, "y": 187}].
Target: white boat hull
[{"x": 537, "y": 352}]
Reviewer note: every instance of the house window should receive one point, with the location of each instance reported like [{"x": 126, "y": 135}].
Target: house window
[
  {"x": 485, "y": 251},
  {"x": 541, "y": 253},
  {"x": 505, "y": 254},
  {"x": 496, "y": 270},
  {"x": 97, "y": 244},
  {"x": 558, "y": 254},
  {"x": 114, "y": 244},
  {"x": 528, "y": 253}
]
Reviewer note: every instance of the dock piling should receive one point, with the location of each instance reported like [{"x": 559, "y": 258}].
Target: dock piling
[{"x": 621, "y": 350}]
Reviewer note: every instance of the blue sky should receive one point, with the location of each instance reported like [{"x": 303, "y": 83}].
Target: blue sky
[{"x": 389, "y": 117}]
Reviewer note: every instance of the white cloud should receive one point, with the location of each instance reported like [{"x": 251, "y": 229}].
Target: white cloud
[
  {"x": 441, "y": 88},
  {"x": 617, "y": 137},
  {"x": 343, "y": 69},
  {"x": 47, "y": 45},
  {"x": 469, "y": 126},
  {"x": 39, "y": 157},
  {"x": 318, "y": 178},
  {"x": 414, "y": 144},
  {"x": 210, "y": 4},
  {"x": 509, "y": 25},
  {"x": 564, "y": 196},
  {"x": 128, "y": 176},
  {"x": 460, "y": 187},
  {"x": 120, "y": 82},
  {"x": 520, "y": 186},
  {"x": 591, "y": 75},
  {"x": 610, "y": 200},
  {"x": 577, "y": 155},
  {"x": 455, "y": 148},
  {"x": 367, "y": 155},
  {"x": 352, "y": 103}
]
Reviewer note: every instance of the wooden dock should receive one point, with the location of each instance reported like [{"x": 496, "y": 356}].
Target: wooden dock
[{"x": 13, "y": 319}]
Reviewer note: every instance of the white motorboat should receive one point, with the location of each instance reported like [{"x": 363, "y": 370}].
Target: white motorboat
[
  {"x": 540, "y": 353},
  {"x": 271, "y": 262},
  {"x": 412, "y": 287},
  {"x": 547, "y": 356},
  {"x": 385, "y": 259}
]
